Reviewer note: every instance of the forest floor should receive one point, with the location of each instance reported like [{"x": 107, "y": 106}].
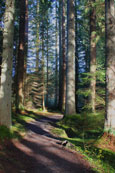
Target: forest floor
[{"x": 41, "y": 152}]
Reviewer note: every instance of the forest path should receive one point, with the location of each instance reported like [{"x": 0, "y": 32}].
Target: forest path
[{"x": 39, "y": 152}]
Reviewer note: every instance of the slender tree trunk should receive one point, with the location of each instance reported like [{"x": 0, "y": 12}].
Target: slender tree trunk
[
  {"x": 6, "y": 73},
  {"x": 0, "y": 68},
  {"x": 76, "y": 58},
  {"x": 93, "y": 56},
  {"x": 26, "y": 50},
  {"x": 60, "y": 55},
  {"x": 21, "y": 56},
  {"x": 1, "y": 45},
  {"x": 110, "y": 66},
  {"x": 47, "y": 95},
  {"x": 56, "y": 61},
  {"x": 70, "y": 79},
  {"x": 37, "y": 38},
  {"x": 1, "y": 38},
  {"x": 63, "y": 58},
  {"x": 43, "y": 73}
]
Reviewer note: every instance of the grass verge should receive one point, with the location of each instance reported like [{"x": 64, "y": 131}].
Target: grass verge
[{"x": 85, "y": 133}]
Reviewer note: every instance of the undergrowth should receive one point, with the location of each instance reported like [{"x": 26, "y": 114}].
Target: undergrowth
[
  {"x": 85, "y": 132},
  {"x": 18, "y": 129}
]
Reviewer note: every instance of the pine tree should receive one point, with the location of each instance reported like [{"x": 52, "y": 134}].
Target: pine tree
[
  {"x": 21, "y": 56},
  {"x": 63, "y": 58},
  {"x": 6, "y": 73},
  {"x": 93, "y": 55},
  {"x": 70, "y": 76},
  {"x": 110, "y": 66}
]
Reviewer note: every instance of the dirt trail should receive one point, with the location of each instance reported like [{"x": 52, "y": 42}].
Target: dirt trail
[{"x": 39, "y": 152}]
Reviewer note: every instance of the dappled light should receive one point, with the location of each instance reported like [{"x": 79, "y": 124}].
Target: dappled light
[{"x": 57, "y": 86}]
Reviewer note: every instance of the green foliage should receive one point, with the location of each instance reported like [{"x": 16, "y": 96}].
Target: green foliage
[
  {"x": 87, "y": 124},
  {"x": 84, "y": 132},
  {"x": 59, "y": 132},
  {"x": 5, "y": 133},
  {"x": 84, "y": 90},
  {"x": 19, "y": 121}
]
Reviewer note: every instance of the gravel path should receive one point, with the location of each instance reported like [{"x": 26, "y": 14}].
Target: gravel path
[{"x": 39, "y": 152}]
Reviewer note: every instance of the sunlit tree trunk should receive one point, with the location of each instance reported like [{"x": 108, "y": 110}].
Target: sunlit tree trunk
[
  {"x": 110, "y": 66},
  {"x": 63, "y": 58},
  {"x": 70, "y": 80},
  {"x": 21, "y": 56},
  {"x": 93, "y": 55},
  {"x": 6, "y": 73}
]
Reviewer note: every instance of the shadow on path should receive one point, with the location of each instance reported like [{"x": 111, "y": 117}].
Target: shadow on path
[{"x": 38, "y": 152}]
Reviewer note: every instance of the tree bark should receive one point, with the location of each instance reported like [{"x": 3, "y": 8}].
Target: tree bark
[
  {"x": 47, "y": 95},
  {"x": 70, "y": 76},
  {"x": 25, "y": 51},
  {"x": 56, "y": 61},
  {"x": 21, "y": 56},
  {"x": 63, "y": 58},
  {"x": 6, "y": 72},
  {"x": 76, "y": 58},
  {"x": 37, "y": 38},
  {"x": 1, "y": 45},
  {"x": 110, "y": 66},
  {"x": 43, "y": 72},
  {"x": 93, "y": 56},
  {"x": 60, "y": 55}
]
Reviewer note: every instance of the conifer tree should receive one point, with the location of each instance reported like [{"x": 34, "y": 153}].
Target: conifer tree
[
  {"x": 93, "y": 55},
  {"x": 110, "y": 66},
  {"x": 7, "y": 57},
  {"x": 70, "y": 76}
]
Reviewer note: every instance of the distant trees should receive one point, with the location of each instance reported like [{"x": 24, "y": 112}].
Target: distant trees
[
  {"x": 63, "y": 61},
  {"x": 6, "y": 71}
]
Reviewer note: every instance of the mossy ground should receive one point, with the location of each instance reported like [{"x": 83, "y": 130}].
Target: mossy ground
[{"x": 85, "y": 132}]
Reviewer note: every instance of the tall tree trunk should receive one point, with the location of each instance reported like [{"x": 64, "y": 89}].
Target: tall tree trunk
[
  {"x": 93, "y": 55},
  {"x": 47, "y": 95},
  {"x": 26, "y": 50},
  {"x": 37, "y": 37},
  {"x": 2, "y": 5},
  {"x": 76, "y": 58},
  {"x": 60, "y": 55},
  {"x": 21, "y": 56},
  {"x": 6, "y": 73},
  {"x": 1, "y": 45},
  {"x": 70, "y": 79},
  {"x": 110, "y": 65},
  {"x": 43, "y": 72},
  {"x": 63, "y": 58},
  {"x": 0, "y": 67},
  {"x": 56, "y": 60}
]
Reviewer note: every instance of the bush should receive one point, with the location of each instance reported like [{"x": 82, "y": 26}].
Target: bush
[{"x": 5, "y": 133}]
